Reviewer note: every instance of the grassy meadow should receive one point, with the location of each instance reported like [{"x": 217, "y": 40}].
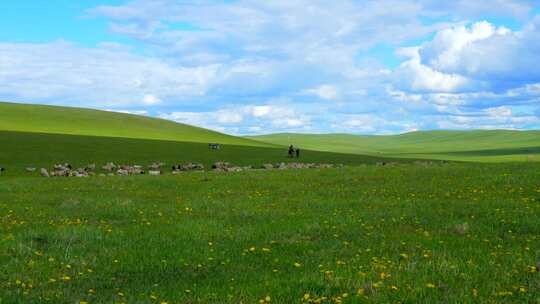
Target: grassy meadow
[
  {"x": 405, "y": 234},
  {"x": 21, "y": 150},
  {"x": 408, "y": 232},
  {"x": 477, "y": 146}
]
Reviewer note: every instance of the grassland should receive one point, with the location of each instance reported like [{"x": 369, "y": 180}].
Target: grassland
[
  {"x": 21, "y": 150},
  {"x": 77, "y": 121},
  {"x": 407, "y": 233},
  {"x": 444, "y": 234},
  {"x": 478, "y": 145}
]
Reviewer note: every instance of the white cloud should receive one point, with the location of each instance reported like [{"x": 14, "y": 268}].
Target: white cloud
[
  {"x": 325, "y": 91},
  {"x": 213, "y": 120},
  {"x": 499, "y": 112},
  {"x": 266, "y": 66},
  {"x": 289, "y": 122},
  {"x": 487, "y": 120},
  {"x": 150, "y": 99},
  {"x": 419, "y": 77},
  {"x": 271, "y": 112},
  {"x": 61, "y": 71},
  {"x": 372, "y": 123},
  {"x": 479, "y": 63},
  {"x": 228, "y": 117},
  {"x": 260, "y": 111},
  {"x": 495, "y": 55},
  {"x": 474, "y": 9},
  {"x": 264, "y": 117},
  {"x": 443, "y": 52}
]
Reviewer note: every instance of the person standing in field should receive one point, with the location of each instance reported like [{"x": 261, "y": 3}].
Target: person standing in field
[
  {"x": 297, "y": 153},
  {"x": 291, "y": 151}
]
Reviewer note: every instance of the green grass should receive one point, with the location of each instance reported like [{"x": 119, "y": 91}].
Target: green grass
[
  {"x": 77, "y": 121},
  {"x": 21, "y": 150},
  {"x": 411, "y": 234},
  {"x": 484, "y": 146}
]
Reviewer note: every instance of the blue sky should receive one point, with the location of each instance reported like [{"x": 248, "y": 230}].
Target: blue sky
[{"x": 252, "y": 67}]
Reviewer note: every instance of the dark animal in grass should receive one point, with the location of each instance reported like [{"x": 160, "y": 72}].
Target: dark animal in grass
[{"x": 2, "y": 170}]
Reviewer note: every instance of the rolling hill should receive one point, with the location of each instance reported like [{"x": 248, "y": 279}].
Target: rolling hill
[
  {"x": 39, "y": 136},
  {"x": 118, "y": 136},
  {"x": 78, "y": 121},
  {"x": 478, "y": 145}
]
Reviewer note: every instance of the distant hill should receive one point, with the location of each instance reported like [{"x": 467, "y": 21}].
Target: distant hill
[
  {"x": 478, "y": 145},
  {"x": 486, "y": 146},
  {"x": 39, "y": 136},
  {"x": 78, "y": 121}
]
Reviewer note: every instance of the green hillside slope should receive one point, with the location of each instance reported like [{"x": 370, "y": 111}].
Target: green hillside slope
[
  {"x": 20, "y": 150},
  {"x": 497, "y": 145},
  {"x": 77, "y": 121}
]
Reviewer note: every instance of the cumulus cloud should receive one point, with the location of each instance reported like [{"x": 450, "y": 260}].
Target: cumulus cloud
[
  {"x": 476, "y": 75},
  {"x": 419, "y": 77},
  {"x": 499, "y": 57}
]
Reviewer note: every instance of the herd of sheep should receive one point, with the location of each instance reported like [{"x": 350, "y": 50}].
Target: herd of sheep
[{"x": 111, "y": 169}]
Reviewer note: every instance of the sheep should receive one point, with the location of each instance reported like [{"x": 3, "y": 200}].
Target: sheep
[
  {"x": 188, "y": 167},
  {"x": 221, "y": 166},
  {"x": 122, "y": 172},
  {"x": 109, "y": 167},
  {"x": 155, "y": 166},
  {"x": 44, "y": 172},
  {"x": 62, "y": 167},
  {"x": 268, "y": 166},
  {"x": 136, "y": 170}
]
